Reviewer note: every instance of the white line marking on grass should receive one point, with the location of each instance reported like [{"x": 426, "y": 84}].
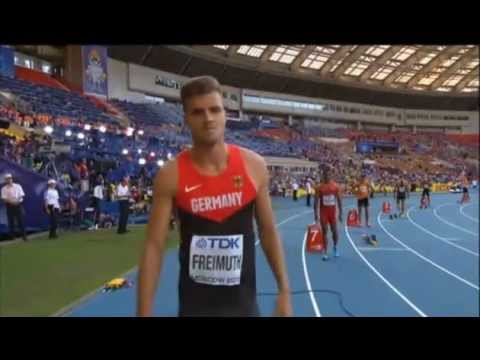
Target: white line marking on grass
[
  {"x": 445, "y": 240},
  {"x": 441, "y": 268},
  {"x": 395, "y": 290},
  {"x": 449, "y": 223}
]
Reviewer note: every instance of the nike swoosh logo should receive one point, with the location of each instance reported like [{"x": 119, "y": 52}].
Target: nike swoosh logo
[{"x": 189, "y": 189}]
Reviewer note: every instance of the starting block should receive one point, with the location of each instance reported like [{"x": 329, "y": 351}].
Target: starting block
[
  {"x": 370, "y": 239},
  {"x": 315, "y": 240}
]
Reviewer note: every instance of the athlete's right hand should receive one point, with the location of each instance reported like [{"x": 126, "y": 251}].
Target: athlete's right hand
[{"x": 284, "y": 305}]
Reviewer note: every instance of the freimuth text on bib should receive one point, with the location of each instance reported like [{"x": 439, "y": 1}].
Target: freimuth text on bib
[{"x": 216, "y": 260}]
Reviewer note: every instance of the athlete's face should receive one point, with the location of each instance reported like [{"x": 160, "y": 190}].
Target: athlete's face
[
  {"x": 205, "y": 117},
  {"x": 326, "y": 176}
]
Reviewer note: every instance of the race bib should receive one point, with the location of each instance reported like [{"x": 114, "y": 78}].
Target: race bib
[
  {"x": 216, "y": 260},
  {"x": 363, "y": 188},
  {"x": 328, "y": 200}
]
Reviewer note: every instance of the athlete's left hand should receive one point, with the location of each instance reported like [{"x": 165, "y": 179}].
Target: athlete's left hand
[{"x": 284, "y": 305}]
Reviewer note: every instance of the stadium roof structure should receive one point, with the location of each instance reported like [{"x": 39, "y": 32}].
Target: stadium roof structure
[
  {"x": 405, "y": 76},
  {"x": 426, "y": 68}
]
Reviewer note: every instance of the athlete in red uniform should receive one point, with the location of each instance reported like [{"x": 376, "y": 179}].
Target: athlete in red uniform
[
  {"x": 327, "y": 197},
  {"x": 218, "y": 190}
]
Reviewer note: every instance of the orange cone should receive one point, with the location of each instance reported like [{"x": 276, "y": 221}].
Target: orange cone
[
  {"x": 386, "y": 207},
  {"x": 352, "y": 218},
  {"x": 315, "y": 240}
]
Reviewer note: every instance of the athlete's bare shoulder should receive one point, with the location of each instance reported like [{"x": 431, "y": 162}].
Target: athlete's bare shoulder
[
  {"x": 252, "y": 157},
  {"x": 166, "y": 179},
  {"x": 256, "y": 166}
]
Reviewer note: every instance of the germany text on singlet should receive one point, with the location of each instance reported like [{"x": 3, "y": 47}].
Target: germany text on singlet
[{"x": 217, "y": 249}]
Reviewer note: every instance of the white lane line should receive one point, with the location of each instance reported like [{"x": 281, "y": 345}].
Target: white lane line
[
  {"x": 441, "y": 268},
  {"x": 395, "y": 290},
  {"x": 68, "y": 308},
  {"x": 449, "y": 223},
  {"x": 445, "y": 240},
  {"x": 466, "y": 215},
  {"x": 285, "y": 221},
  {"x": 307, "y": 278},
  {"x": 304, "y": 262},
  {"x": 361, "y": 248}
]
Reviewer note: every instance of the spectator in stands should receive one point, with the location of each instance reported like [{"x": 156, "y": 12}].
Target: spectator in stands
[
  {"x": 52, "y": 207},
  {"x": 12, "y": 194},
  {"x": 295, "y": 187},
  {"x": 83, "y": 173},
  {"x": 98, "y": 195},
  {"x": 123, "y": 196},
  {"x": 70, "y": 209},
  {"x": 309, "y": 189}
]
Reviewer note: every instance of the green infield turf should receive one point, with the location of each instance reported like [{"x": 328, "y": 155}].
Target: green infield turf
[{"x": 40, "y": 277}]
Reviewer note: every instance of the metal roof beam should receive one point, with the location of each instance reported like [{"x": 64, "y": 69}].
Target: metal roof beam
[
  {"x": 232, "y": 50},
  {"x": 470, "y": 55},
  {"x": 406, "y": 65},
  {"x": 349, "y": 60},
  {"x": 334, "y": 58},
  {"x": 300, "y": 58},
  {"x": 445, "y": 54},
  {"x": 267, "y": 53},
  {"x": 466, "y": 80},
  {"x": 381, "y": 60}
]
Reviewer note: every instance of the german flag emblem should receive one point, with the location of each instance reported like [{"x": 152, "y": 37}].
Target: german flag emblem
[{"x": 238, "y": 181}]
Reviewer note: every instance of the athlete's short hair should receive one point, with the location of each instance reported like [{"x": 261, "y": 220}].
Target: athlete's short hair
[{"x": 200, "y": 85}]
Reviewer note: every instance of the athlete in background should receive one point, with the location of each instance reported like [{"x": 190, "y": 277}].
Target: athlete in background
[
  {"x": 363, "y": 190},
  {"x": 464, "y": 184},
  {"x": 401, "y": 193},
  {"x": 327, "y": 198}
]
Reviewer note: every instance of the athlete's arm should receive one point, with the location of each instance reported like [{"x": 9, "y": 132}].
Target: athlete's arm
[
  {"x": 339, "y": 204},
  {"x": 157, "y": 233},
  {"x": 316, "y": 204},
  {"x": 269, "y": 238}
]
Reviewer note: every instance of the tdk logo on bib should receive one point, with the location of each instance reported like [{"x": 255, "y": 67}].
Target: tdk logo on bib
[
  {"x": 201, "y": 243},
  {"x": 220, "y": 242},
  {"x": 216, "y": 260}
]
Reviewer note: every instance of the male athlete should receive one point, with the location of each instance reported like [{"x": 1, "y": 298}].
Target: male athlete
[
  {"x": 425, "y": 199},
  {"x": 464, "y": 184},
  {"x": 217, "y": 189},
  {"x": 401, "y": 193},
  {"x": 363, "y": 190},
  {"x": 327, "y": 198}
]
